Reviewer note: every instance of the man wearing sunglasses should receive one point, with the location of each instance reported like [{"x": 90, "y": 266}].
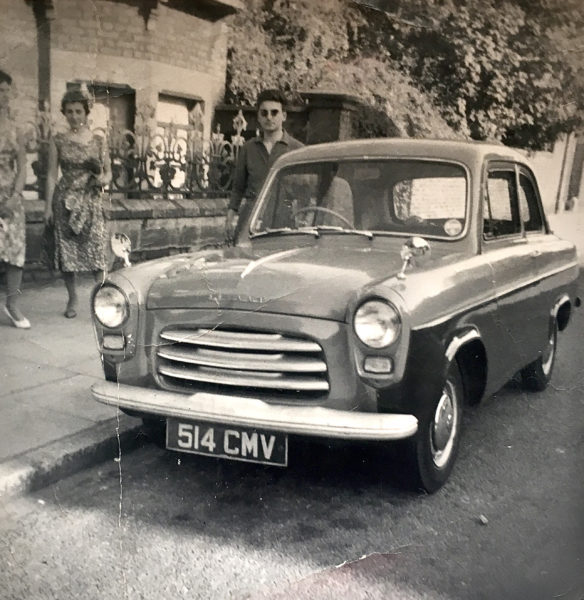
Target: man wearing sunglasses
[{"x": 257, "y": 156}]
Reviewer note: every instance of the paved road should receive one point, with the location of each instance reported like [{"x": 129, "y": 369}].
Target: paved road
[{"x": 510, "y": 523}]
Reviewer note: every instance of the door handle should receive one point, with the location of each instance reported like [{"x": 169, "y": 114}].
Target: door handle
[{"x": 535, "y": 254}]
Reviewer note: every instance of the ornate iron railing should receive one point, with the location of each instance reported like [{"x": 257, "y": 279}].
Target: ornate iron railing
[{"x": 156, "y": 160}]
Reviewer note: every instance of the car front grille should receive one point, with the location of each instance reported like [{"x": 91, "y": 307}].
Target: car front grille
[{"x": 199, "y": 358}]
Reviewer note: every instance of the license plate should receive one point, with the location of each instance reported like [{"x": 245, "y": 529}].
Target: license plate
[{"x": 225, "y": 441}]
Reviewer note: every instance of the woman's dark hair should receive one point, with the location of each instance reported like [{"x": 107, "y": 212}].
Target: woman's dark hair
[
  {"x": 5, "y": 78},
  {"x": 75, "y": 96},
  {"x": 272, "y": 95}
]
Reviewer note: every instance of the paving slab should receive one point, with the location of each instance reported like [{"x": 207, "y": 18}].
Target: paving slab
[
  {"x": 18, "y": 374},
  {"x": 26, "y": 426},
  {"x": 39, "y": 467},
  {"x": 70, "y": 396},
  {"x": 50, "y": 426}
]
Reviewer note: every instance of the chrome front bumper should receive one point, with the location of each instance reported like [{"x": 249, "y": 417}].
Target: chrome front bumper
[{"x": 249, "y": 412}]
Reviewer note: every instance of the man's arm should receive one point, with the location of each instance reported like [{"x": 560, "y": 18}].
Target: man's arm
[
  {"x": 237, "y": 191},
  {"x": 239, "y": 180}
]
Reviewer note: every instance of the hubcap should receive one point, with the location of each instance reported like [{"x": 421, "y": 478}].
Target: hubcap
[
  {"x": 548, "y": 354},
  {"x": 444, "y": 426}
]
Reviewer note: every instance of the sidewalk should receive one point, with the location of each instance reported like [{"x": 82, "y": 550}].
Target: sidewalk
[{"x": 50, "y": 426}]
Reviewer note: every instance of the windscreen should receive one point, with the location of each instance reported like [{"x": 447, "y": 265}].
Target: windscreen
[{"x": 410, "y": 197}]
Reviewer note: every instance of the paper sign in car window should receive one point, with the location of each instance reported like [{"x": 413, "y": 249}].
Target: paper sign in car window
[{"x": 439, "y": 198}]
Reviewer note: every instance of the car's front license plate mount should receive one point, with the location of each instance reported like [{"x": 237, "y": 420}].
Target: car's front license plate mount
[{"x": 226, "y": 441}]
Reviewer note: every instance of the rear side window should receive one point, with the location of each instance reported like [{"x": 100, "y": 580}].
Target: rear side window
[
  {"x": 529, "y": 205},
  {"x": 500, "y": 215}
]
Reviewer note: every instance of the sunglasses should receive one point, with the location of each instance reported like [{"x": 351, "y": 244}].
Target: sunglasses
[{"x": 272, "y": 113}]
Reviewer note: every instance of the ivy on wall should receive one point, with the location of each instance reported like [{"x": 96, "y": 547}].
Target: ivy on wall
[{"x": 508, "y": 71}]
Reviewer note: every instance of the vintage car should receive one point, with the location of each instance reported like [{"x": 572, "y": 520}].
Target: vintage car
[{"x": 375, "y": 288}]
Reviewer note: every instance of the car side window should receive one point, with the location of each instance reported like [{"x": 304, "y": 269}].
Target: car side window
[
  {"x": 529, "y": 205},
  {"x": 500, "y": 214}
]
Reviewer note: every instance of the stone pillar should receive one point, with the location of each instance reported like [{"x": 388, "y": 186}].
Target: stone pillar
[
  {"x": 44, "y": 13},
  {"x": 330, "y": 116}
]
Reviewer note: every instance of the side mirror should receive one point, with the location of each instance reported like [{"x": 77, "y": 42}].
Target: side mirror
[
  {"x": 414, "y": 247},
  {"x": 121, "y": 247}
]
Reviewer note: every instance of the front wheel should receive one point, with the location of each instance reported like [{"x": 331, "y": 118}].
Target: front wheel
[
  {"x": 537, "y": 375},
  {"x": 432, "y": 451}
]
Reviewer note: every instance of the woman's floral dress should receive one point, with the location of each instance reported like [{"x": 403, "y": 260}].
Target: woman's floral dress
[
  {"x": 12, "y": 226},
  {"x": 78, "y": 206}
]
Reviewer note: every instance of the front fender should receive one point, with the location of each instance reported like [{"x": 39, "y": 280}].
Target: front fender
[{"x": 424, "y": 375}]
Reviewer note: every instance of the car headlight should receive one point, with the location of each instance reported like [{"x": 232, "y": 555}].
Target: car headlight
[
  {"x": 110, "y": 306},
  {"x": 377, "y": 323}
]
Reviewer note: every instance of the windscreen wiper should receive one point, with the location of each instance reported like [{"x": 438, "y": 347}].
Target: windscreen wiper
[
  {"x": 336, "y": 229},
  {"x": 287, "y": 231}
]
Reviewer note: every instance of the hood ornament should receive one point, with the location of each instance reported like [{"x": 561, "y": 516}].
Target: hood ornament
[
  {"x": 121, "y": 247},
  {"x": 414, "y": 247}
]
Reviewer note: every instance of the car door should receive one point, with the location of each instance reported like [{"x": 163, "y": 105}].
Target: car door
[
  {"x": 551, "y": 255},
  {"x": 513, "y": 261}
]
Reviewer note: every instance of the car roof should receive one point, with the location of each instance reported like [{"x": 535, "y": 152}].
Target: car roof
[{"x": 458, "y": 151}]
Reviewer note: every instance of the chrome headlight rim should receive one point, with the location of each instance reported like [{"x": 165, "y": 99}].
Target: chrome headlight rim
[
  {"x": 392, "y": 317},
  {"x": 126, "y": 303}
]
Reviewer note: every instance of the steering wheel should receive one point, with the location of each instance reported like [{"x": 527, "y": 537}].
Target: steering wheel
[{"x": 328, "y": 211}]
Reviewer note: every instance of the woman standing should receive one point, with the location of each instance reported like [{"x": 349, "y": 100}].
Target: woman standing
[
  {"x": 12, "y": 218},
  {"x": 76, "y": 210}
]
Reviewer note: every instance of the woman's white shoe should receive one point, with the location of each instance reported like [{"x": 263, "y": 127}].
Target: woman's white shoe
[{"x": 23, "y": 323}]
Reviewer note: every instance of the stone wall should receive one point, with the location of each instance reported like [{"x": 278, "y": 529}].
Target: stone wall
[
  {"x": 552, "y": 170},
  {"x": 155, "y": 227}
]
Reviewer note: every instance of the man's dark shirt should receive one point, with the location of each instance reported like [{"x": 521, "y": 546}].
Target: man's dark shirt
[{"x": 253, "y": 164}]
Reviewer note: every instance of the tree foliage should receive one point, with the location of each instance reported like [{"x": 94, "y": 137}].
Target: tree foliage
[
  {"x": 495, "y": 67},
  {"x": 300, "y": 45},
  {"x": 487, "y": 69},
  {"x": 286, "y": 44}
]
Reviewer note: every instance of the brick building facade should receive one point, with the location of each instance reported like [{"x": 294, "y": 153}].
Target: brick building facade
[
  {"x": 155, "y": 58},
  {"x": 167, "y": 54}
]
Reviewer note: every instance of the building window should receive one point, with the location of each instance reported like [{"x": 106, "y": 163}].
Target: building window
[
  {"x": 114, "y": 104},
  {"x": 177, "y": 119},
  {"x": 177, "y": 110}
]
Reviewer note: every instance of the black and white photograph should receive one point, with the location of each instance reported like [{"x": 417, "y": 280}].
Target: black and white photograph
[{"x": 291, "y": 299}]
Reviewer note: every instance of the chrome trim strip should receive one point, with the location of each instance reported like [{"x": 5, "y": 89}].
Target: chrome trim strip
[
  {"x": 256, "y": 379},
  {"x": 243, "y": 361},
  {"x": 452, "y": 314},
  {"x": 254, "y": 264},
  {"x": 556, "y": 307},
  {"x": 250, "y": 412},
  {"x": 493, "y": 298},
  {"x": 239, "y": 340},
  {"x": 536, "y": 279},
  {"x": 457, "y": 342}
]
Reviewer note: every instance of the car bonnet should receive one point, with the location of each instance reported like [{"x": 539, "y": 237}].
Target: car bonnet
[{"x": 311, "y": 281}]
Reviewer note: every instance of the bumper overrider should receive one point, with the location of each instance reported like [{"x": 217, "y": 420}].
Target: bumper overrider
[{"x": 249, "y": 412}]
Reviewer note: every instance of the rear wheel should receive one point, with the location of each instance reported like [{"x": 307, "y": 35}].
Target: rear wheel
[
  {"x": 537, "y": 375},
  {"x": 433, "y": 450}
]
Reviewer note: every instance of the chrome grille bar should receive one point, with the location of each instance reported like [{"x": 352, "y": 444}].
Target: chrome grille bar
[
  {"x": 242, "y": 360},
  {"x": 269, "y": 361},
  {"x": 273, "y": 381},
  {"x": 239, "y": 340}
]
